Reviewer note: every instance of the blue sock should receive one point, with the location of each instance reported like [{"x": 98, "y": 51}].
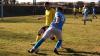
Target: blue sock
[
  {"x": 38, "y": 43},
  {"x": 58, "y": 44}
]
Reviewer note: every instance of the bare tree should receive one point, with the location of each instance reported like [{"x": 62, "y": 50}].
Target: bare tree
[
  {"x": 6, "y": 2},
  {"x": 92, "y": 4},
  {"x": 80, "y": 3},
  {"x": 12, "y": 2},
  {"x": 99, "y": 3}
]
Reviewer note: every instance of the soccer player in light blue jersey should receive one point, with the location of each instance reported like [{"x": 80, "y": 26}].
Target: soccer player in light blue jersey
[
  {"x": 94, "y": 12},
  {"x": 85, "y": 15},
  {"x": 55, "y": 28}
]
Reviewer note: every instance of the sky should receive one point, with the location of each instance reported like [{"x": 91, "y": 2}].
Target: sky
[{"x": 57, "y": 0}]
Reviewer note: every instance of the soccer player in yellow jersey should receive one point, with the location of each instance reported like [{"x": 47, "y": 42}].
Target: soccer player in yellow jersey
[
  {"x": 75, "y": 12},
  {"x": 49, "y": 15},
  {"x": 80, "y": 11}
]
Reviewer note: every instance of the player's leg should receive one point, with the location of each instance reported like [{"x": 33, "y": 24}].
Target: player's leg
[
  {"x": 74, "y": 15},
  {"x": 40, "y": 32},
  {"x": 38, "y": 37},
  {"x": 84, "y": 22},
  {"x": 59, "y": 42},
  {"x": 46, "y": 34},
  {"x": 81, "y": 14},
  {"x": 87, "y": 18},
  {"x": 84, "y": 19},
  {"x": 95, "y": 16}
]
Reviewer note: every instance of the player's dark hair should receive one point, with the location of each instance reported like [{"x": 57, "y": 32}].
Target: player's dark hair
[
  {"x": 46, "y": 3},
  {"x": 59, "y": 9}
]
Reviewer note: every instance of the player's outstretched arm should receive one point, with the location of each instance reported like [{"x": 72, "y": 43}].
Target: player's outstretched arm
[{"x": 41, "y": 17}]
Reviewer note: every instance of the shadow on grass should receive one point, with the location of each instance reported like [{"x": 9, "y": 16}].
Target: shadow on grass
[
  {"x": 21, "y": 20},
  {"x": 61, "y": 53},
  {"x": 11, "y": 53},
  {"x": 39, "y": 53},
  {"x": 78, "y": 53},
  {"x": 8, "y": 53},
  {"x": 42, "y": 54},
  {"x": 70, "y": 52},
  {"x": 8, "y": 35}
]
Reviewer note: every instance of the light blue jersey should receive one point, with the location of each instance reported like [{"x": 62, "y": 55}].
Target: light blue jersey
[
  {"x": 94, "y": 10},
  {"x": 61, "y": 21},
  {"x": 86, "y": 11}
]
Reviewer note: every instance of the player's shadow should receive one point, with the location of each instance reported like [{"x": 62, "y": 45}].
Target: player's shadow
[
  {"x": 42, "y": 54},
  {"x": 78, "y": 53},
  {"x": 68, "y": 52}
]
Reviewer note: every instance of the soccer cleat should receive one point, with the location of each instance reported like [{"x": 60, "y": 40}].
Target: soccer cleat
[
  {"x": 33, "y": 51},
  {"x": 55, "y": 51}
]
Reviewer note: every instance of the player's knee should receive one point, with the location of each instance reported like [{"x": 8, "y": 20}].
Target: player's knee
[
  {"x": 44, "y": 38},
  {"x": 60, "y": 40},
  {"x": 39, "y": 34}
]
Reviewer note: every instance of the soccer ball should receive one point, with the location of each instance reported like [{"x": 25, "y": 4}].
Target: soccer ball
[{"x": 52, "y": 38}]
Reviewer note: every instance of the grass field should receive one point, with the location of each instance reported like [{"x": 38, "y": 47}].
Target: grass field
[{"x": 16, "y": 34}]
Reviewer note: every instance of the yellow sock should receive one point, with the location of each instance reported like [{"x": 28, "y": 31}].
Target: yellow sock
[
  {"x": 37, "y": 38},
  {"x": 55, "y": 38}
]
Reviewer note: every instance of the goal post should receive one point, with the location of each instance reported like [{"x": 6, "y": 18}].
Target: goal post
[
  {"x": 1, "y": 5},
  {"x": 34, "y": 7}
]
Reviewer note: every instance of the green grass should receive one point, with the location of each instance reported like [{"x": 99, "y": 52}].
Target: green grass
[{"x": 16, "y": 34}]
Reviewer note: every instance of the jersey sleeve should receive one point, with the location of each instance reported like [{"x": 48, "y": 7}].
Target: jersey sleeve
[{"x": 57, "y": 14}]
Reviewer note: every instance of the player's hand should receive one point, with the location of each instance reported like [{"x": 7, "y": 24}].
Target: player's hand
[
  {"x": 56, "y": 24},
  {"x": 39, "y": 18}
]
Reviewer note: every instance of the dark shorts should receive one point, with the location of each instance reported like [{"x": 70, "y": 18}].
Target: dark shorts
[
  {"x": 42, "y": 30},
  {"x": 74, "y": 13}
]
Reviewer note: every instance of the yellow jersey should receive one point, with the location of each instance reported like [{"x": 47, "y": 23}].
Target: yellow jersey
[
  {"x": 49, "y": 15},
  {"x": 80, "y": 9},
  {"x": 75, "y": 10}
]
